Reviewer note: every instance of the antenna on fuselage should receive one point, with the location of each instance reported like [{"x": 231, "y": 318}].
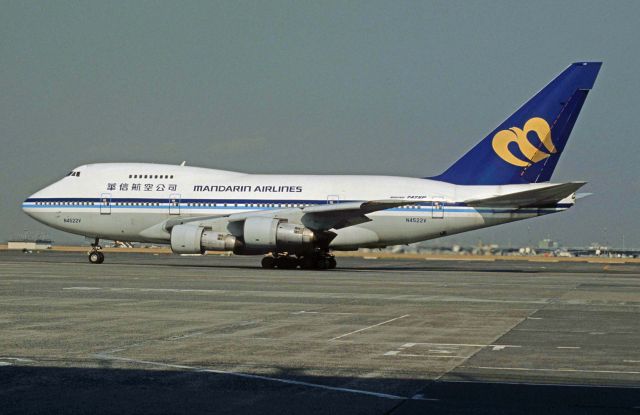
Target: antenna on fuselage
[{"x": 183, "y": 163}]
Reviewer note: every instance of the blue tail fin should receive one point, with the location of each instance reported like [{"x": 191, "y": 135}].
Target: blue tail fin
[{"x": 526, "y": 147}]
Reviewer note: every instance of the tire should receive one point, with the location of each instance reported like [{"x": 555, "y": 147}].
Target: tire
[
  {"x": 268, "y": 262},
  {"x": 322, "y": 263},
  {"x": 287, "y": 262},
  {"x": 95, "y": 257},
  {"x": 332, "y": 263},
  {"x": 308, "y": 262}
]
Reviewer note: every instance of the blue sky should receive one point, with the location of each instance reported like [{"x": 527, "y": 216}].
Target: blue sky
[{"x": 399, "y": 88}]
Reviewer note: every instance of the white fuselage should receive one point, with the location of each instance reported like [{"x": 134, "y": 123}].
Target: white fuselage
[{"x": 131, "y": 201}]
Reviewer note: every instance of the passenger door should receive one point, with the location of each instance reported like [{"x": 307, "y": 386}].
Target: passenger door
[
  {"x": 105, "y": 204},
  {"x": 174, "y": 204},
  {"x": 437, "y": 208}
]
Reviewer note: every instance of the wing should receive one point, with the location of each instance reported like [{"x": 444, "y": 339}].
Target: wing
[
  {"x": 317, "y": 218},
  {"x": 545, "y": 196},
  {"x": 342, "y": 215}
]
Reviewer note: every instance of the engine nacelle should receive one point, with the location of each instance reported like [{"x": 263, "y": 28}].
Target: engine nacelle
[
  {"x": 216, "y": 241},
  {"x": 262, "y": 235},
  {"x": 290, "y": 237},
  {"x": 186, "y": 239}
]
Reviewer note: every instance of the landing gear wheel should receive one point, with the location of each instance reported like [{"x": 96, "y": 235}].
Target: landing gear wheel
[
  {"x": 96, "y": 257},
  {"x": 308, "y": 262},
  {"x": 322, "y": 263},
  {"x": 287, "y": 262},
  {"x": 268, "y": 262},
  {"x": 332, "y": 263},
  {"x": 318, "y": 260},
  {"x": 313, "y": 260}
]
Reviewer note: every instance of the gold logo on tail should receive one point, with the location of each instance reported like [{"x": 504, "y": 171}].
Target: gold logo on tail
[{"x": 503, "y": 138}]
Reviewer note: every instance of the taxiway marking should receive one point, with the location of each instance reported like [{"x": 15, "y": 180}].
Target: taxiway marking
[
  {"x": 162, "y": 290},
  {"x": 259, "y": 377},
  {"x": 442, "y": 352},
  {"x": 527, "y": 369},
  {"x": 320, "y": 312},
  {"x": 369, "y": 327},
  {"x": 462, "y": 345},
  {"x": 429, "y": 356}
]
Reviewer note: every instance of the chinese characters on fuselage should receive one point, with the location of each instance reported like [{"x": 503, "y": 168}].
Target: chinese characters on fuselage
[{"x": 139, "y": 187}]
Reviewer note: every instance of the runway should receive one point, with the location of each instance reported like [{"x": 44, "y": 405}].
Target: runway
[{"x": 168, "y": 334}]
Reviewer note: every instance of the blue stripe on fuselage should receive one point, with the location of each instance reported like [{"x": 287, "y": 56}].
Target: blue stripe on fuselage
[{"x": 232, "y": 204}]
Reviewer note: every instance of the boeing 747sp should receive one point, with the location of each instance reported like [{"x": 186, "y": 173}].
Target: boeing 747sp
[{"x": 298, "y": 220}]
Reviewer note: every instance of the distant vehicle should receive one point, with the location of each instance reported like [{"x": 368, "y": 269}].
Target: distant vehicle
[{"x": 298, "y": 220}]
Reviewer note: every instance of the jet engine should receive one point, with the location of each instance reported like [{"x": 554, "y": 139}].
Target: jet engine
[
  {"x": 186, "y": 239},
  {"x": 262, "y": 235}
]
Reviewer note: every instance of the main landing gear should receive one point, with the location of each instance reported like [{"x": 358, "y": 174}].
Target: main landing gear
[
  {"x": 321, "y": 261},
  {"x": 95, "y": 256}
]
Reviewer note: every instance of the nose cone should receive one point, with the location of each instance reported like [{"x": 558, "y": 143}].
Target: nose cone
[
  {"x": 37, "y": 211},
  {"x": 28, "y": 206},
  {"x": 40, "y": 205},
  {"x": 33, "y": 205}
]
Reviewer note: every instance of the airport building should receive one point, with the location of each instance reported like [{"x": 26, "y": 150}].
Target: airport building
[{"x": 30, "y": 244}]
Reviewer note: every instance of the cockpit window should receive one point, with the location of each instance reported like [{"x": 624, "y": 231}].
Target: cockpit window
[{"x": 74, "y": 173}]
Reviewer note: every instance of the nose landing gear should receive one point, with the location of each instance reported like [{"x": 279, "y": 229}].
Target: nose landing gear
[{"x": 95, "y": 256}]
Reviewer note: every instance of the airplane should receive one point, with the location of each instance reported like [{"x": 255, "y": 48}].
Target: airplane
[{"x": 299, "y": 220}]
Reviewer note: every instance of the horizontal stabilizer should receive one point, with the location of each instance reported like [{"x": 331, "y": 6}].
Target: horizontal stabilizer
[
  {"x": 544, "y": 196},
  {"x": 583, "y": 195}
]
